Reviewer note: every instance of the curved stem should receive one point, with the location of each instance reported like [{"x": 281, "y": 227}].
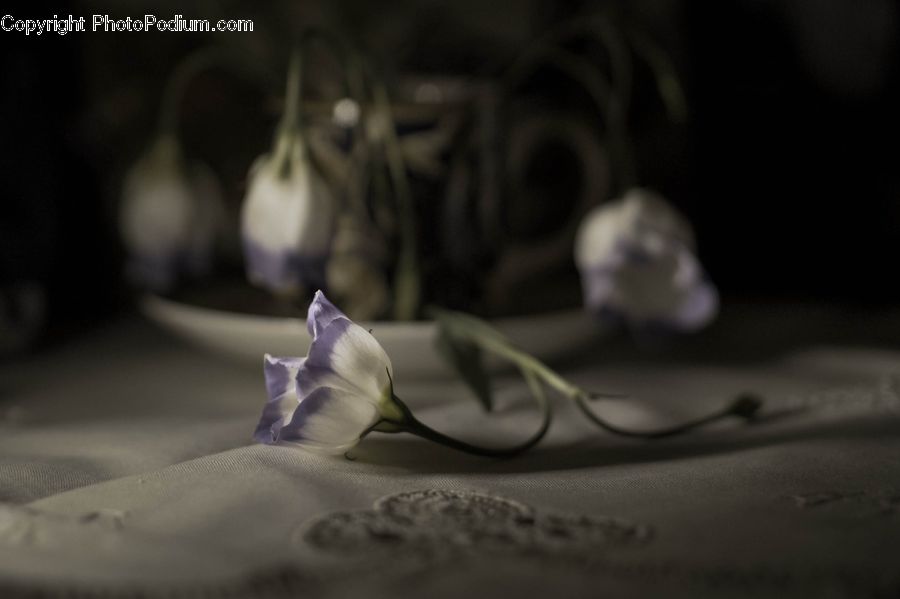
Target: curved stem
[
  {"x": 603, "y": 30},
  {"x": 668, "y": 84},
  {"x": 527, "y": 362},
  {"x": 293, "y": 97},
  {"x": 486, "y": 337},
  {"x": 292, "y": 125},
  {"x": 184, "y": 73},
  {"x": 600, "y": 90},
  {"x": 407, "y": 284},
  {"x": 361, "y": 152},
  {"x": 744, "y": 407},
  {"x": 290, "y": 131},
  {"x": 412, "y": 425},
  {"x": 328, "y": 38},
  {"x": 354, "y": 87},
  {"x": 620, "y": 59}
]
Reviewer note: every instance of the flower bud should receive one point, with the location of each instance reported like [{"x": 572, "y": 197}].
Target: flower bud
[
  {"x": 636, "y": 259},
  {"x": 327, "y": 401},
  {"x": 287, "y": 220},
  {"x": 170, "y": 216}
]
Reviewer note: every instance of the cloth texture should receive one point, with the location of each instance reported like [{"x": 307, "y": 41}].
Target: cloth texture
[{"x": 127, "y": 468}]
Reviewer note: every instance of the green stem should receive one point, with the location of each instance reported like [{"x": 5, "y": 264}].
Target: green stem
[
  {"x": 293, "y": 98},
  {"x": 354, "y": 87},
  {"x": 668, "y": 85},
  {"x": 412, "y": 425},
  {"x": 487, "y": 338},
  {"x": 527, "y": 362},
  {"x": 177, "y": 84},
  {"x": 361, "y": 152},
  {"x": 620, "y": 59},
  {"x": 292, "y": 125},
  {"x": 407, "y": 284},
  {"x": 290, "y": 130},
  {"x": 744, "y": 407},
  {"x": 482, "y": 334},
  {"x": 603, "y": 30},
  {"x": 601, "y": 92}
]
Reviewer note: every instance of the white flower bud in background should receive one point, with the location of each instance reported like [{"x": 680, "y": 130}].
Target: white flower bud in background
[
  {"x": 287, "y": 220},
  {"x": 636, "y": 259},
  {"x": 170, "y": 218}
]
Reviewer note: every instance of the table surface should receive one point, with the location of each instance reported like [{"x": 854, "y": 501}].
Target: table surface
[{"x": 127, "y": 469}]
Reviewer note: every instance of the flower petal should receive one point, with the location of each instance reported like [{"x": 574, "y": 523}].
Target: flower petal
[
  {"x": 294, "y": 214},
  {"x": 321, "y": 313},
  {"x": 346, "y": 356},
  {"x": 329, "y": 420},
  {"x": 665, "y": 290},
  {"x": 287, "y": 225},
  {"x": 281, "y": 387},
  {"x": 597, "y": 235},
  {"x": 281, "y": 270},
  {"x": 698, "y": 308},
  {"x": 637, "y": 262},
  {"x": 645, "y": 210}
]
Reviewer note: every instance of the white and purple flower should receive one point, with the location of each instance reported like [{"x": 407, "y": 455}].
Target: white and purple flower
[
  {"x": 343, "y": 390},
  {"x": 637, "y": 263},
  {"x": 340, "y": 391},
  {"x": 287, "y": 220},
  {"x": 170, "y": 217}
]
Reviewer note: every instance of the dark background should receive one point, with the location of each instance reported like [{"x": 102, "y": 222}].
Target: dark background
[{"x": 787, "y": 166}]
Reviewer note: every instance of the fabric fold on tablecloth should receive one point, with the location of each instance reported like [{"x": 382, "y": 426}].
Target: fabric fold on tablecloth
[{"x": 177, "y": 501}]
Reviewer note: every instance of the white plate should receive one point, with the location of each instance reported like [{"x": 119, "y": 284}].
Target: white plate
[{"x": 246, "y": 337}]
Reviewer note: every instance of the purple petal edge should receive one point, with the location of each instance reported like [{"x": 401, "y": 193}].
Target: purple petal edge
[
  {"x": 270, "y": 423},
  {"x": 321, "y": 313},
  {"x": 277, "y": 372},
  {"x": 283, "y": 399},
  {"x": 318, "y": 363},
  {"x": 293, "y": 430},
  {"x": 282, "y": 270}
]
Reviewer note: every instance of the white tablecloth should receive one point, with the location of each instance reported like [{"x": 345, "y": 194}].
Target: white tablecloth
[{"x": 126, "y": 469}]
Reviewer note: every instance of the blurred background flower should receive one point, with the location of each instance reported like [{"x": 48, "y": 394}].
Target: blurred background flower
[
  {"x": 780, "y": 128},
  {"x": 170, "y": 217},
  {"x": 287, "y": 221},
  {"x": 637, "y": 263}
]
